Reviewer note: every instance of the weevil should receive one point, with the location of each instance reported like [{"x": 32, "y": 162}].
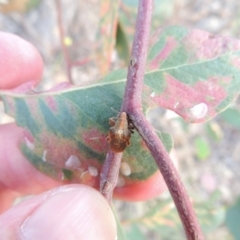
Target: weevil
[{"x": 120, "y": 133}]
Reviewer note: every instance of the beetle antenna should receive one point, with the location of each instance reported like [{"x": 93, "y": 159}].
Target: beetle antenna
[{"x": 115, "y": 110}]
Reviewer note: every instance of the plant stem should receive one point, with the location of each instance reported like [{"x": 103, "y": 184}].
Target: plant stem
[
  {"x": 133, "y": 106},
  {"x": 170, "y": 175},
  {"x": 109, "y": 174},
  {"x": 62, "y": 35},
  {"x": 136, "y": 69},
  {"x": 133, "y": 91}
]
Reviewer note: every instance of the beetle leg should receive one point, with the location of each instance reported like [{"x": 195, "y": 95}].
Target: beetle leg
[
  {"x": 131, "y": 130},
  {"x": 109, "y": 138},
  {"x": 111, "y": 122},
  {"x": 130, "y": 126}
]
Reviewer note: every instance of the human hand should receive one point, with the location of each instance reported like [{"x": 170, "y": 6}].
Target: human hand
[{"x": 64, "y": 211}]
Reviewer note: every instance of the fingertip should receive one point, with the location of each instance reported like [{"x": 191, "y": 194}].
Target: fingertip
[
  {"x": 67, "y": 212},
  {"x": 20, "y": 61},
  {"x": 16, "y": 172},
  {"x": 80, "y": 212}
]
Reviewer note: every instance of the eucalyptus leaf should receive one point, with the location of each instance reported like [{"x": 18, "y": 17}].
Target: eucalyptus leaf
[{"x": 191, "y": 72}]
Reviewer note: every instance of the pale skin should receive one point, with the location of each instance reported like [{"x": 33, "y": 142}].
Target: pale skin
[{"x": 54, "y": 206}]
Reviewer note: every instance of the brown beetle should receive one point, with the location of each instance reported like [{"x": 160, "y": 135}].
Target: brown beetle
[{"x": 120, "y": 133}]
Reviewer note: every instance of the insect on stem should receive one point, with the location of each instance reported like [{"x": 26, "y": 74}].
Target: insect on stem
[{"x": 120, "y": 133}]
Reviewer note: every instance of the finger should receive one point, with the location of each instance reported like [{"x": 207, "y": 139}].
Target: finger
[
  {"x": 142, "y": 191},
  {"x": 20, "y": 62},
  {"x": 7, "y": 197},
  {"x": 69, "y": 212},
  {"x": 16, "y": 173}
]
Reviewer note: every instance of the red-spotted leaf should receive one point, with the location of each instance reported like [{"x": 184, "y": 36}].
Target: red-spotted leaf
[
  {"x": 192, "y": 72},
  {"x": 189, "y": 71},
  {"x": 66, "y": 131}
]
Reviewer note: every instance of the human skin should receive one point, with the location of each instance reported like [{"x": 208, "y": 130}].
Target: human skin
[{"x": 55, "y": 212}]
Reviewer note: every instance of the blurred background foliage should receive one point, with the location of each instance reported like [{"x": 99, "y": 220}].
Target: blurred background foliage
[{"x": 98, "y": 36}]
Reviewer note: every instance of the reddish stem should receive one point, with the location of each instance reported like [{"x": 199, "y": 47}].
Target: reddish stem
[
  {"x": 62, "y": 35},
  {"x": 133, "y": 90},
  {"x": 136, "y": 69},
  {"x": 80, "y": 62},
  {"x": 170, "y": 175},
  {"x": 109, "y": 174},
  {"x": 133, "y": 107}
]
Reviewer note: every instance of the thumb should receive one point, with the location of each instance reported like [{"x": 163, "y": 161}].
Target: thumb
[{"x": 68, "y": 212}]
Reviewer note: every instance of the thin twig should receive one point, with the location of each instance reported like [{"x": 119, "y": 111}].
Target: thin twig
[
  {"x": 80, "y": 62},
  {"x": 131, "y": 100},
  {"x": 133, "y": 90},
  {"x": 133, "y": 107},
  {"x": 170, "y": 175},
  {"x": 62, "y": 36},
  {"x": 109, "y": 174}
]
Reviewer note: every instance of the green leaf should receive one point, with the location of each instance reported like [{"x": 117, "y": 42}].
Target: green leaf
[
  {"x": 32, "y": 4},
  {"x": 189, "y": 71},
  {"x": 214, "y": 131},
  {"x": 122, "y": 44},
  {"x": 233, "y": 219},
  {"x": 210, "y": 216},
  {"x": 202, "y": 148},
  {"x": 162, "y": 218},
  {"x": 192, "y": 72},
  {"x": 120, "y": 231},
  {"x": 133, "y": 232},
  {"x": 232, "y": 116},
  {"x": 67, "y": 129}
]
